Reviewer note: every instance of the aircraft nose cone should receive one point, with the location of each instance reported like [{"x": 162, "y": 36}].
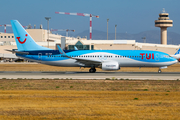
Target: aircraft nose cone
[{"x": 175, "y": 61}]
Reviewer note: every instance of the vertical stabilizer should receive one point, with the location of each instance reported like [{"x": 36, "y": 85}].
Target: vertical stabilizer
[
  {"x": 23, "y": 40},
  {"x": 178, "y": 52}
]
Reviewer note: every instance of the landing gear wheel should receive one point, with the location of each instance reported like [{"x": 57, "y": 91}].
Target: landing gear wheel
[
  {"x": 159, "y": 71},
  {"x": 92, "y": 70}
]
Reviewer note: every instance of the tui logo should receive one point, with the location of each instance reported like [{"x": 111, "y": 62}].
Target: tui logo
[
  {"x": 150, "y": 56},
  {"x": 22, "y": 41}
]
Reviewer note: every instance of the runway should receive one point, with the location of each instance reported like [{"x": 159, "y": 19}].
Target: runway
[{"x": 87, "y": 75}]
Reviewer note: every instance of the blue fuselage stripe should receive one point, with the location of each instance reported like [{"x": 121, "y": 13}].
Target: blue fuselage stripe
[{"x": 139, "y": 55}]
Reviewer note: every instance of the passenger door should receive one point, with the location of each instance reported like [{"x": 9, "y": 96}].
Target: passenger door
[
  {"x": 157, "y": 56},
  {"x": 39, "y": 56}
]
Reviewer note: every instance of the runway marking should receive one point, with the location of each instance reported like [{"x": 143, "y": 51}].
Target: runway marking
[{"x": 86, "y": 75}]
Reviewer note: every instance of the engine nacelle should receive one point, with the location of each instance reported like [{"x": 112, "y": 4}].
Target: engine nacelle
[{"x": 110, "y": 66}]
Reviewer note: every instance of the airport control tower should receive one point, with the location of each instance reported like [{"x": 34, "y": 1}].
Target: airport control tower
[{"x": 163, "y": 22}]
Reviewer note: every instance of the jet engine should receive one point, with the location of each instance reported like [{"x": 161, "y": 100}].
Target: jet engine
[{"x": 110, "y": 65}]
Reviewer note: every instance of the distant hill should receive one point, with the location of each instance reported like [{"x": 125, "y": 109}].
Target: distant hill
[{"x": 151, "y": 36}]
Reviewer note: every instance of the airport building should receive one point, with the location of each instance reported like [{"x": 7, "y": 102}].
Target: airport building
[
  {"x": 163, "y": 22},
  {"x": 7, "y": 41}
]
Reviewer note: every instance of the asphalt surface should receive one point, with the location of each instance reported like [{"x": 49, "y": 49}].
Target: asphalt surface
[{"x": 87, "y": 75}]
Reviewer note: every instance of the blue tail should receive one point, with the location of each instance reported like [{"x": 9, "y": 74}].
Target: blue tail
[
  {"x": 178, "y": 52},
  {"x": 23, "y": 40}
]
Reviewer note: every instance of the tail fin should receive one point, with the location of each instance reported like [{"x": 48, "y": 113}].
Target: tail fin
[
  {"x": 178, "y": 52},
  {"x": 23, "y": 40}
]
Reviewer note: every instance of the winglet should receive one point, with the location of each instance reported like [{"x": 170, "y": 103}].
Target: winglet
[
  {"x": 62, "y": 52},
  {"x": 75, "y": 48}
]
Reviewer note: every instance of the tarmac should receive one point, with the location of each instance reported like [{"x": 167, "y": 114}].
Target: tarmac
[{"x": 87, "y": 75}]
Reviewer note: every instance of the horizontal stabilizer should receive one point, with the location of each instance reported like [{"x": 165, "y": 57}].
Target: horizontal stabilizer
[{"x": 24, "y": 53}]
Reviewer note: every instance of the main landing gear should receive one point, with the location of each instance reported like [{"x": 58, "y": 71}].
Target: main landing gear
[
  {"x": 159, "y": 71},
  {"x": 92, "y": 70}
]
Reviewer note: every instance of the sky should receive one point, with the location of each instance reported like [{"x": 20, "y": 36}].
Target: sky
[{"x": 131, "y": 16}]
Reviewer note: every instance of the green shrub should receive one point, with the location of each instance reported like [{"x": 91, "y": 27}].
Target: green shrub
[
  {"x": 135, "y": 98},
  {"x": 113, "y": 78}
]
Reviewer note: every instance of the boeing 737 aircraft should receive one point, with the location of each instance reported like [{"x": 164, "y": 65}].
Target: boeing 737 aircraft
[{"x": 104, "y": 59}]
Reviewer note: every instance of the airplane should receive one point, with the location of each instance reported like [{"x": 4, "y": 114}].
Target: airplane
[
  {"x": 75, "y": 48},
  {"x": 176, "y": 55},
  {"x": 104, "y": 59}
]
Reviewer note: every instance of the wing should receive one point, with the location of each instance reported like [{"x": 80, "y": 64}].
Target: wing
[
  {"x": 80, "y": 60},
  {"x": 87, "y": 62}
]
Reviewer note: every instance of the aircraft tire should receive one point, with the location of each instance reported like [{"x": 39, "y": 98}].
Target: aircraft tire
[
  {"x": 159, "y": 71},
  {"x": 92, "y": 70}
]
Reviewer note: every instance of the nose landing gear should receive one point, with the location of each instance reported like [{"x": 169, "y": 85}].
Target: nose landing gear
[{"x": 159, "y": 71}]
